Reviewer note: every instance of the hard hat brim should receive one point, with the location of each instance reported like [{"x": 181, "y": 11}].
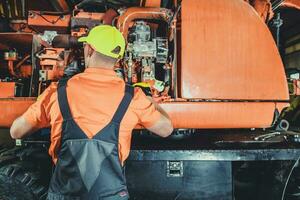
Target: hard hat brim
[{"x": 82, "y": 39}]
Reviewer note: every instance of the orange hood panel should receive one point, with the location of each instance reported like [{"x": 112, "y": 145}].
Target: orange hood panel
[{"x": 228, "y": 52}]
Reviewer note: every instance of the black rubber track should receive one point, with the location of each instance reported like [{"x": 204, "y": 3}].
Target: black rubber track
[
  {"x": 24, "y": 174},
  {"x": 15, "y": 184},
  {"x": 293, "y": 187}
]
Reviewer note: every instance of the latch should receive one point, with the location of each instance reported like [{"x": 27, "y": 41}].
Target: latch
[{"x": 174, "y": 169}]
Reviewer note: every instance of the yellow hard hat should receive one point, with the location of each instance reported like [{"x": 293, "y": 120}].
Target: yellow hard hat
[{"x": 107, "y": 40}]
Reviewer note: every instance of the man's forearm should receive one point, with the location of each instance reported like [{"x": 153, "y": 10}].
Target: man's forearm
[
  {"x": 21, "y": 128},
  {"x": 164, "y": 126},
  {"x": 159, "y": 108}
]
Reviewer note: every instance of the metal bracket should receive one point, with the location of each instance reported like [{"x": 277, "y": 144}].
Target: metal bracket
[{"x": 43, "y": 75}]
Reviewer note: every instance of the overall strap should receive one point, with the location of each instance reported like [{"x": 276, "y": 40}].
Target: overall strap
[
  {"x": 63, "y": 100},
  {"x": 123, "y": 106}
]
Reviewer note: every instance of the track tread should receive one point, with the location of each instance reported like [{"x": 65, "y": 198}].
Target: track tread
[{"x": 21, "y": 176}]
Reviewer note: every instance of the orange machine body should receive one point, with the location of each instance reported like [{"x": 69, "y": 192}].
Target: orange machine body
[
  {"x": 7, "y": 89},
  {"x": 229, "y": 73},
  {"x": 230, "y": 55},
  {"x": 48, "y": 22}
]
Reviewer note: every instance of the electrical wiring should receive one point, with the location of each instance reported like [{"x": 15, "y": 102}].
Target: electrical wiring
[{"x": 47, "y": 20}]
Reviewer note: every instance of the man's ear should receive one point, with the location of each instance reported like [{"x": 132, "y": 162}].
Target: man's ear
[{"x": 90, "y": 51}]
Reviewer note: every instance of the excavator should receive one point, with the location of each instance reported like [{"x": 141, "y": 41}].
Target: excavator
[{"x": 226, "y": 71}]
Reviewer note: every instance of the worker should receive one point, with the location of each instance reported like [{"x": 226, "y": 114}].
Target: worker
[{"x": 89, "y": 162}]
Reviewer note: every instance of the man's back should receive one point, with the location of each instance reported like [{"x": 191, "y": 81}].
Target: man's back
[{"x": 93, "y": 97}]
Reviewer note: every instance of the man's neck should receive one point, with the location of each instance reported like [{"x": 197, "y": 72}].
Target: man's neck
[
  {"x": 101, "y": 67},
  {"x": 100, "y": 64}
]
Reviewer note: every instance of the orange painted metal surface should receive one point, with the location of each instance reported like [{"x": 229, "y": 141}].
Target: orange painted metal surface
[
  {"x": 228, "y": 53},
  {"x": 7, "y": 89},
  {"x": 89, "y": 15},
  {"x": 150, "y": 3},
  {"x": 37, "y": 19},
  {"x": 204, "y": 115},
  {"x": 291, "y": 4},
  {"x": 11, "y": 108},
  {"x": 25, "y": 71},
  {"x": 183, "y": 114},
  {"x": 52, "y": 65}
]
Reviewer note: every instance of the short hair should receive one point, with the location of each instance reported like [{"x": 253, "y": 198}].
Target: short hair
[{"x": 105, "y": 58}]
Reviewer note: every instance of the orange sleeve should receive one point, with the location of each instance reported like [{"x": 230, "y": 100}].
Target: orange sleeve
[
  {"x": 37, "y": 114},
  {"x": 145, "y": 109}
]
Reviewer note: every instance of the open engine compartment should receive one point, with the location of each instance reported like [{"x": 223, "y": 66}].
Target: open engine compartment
[
  {"x": 204, "y": 74},
  {"x": 44, "y": 48}
]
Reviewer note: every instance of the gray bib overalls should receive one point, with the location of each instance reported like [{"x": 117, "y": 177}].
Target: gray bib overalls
[{"x": 89, "y": 169}]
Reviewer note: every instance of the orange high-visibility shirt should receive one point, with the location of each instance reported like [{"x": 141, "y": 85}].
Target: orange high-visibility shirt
[{"x": 93, "y": 96}]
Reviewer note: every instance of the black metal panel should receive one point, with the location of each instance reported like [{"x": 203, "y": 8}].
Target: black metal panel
[
  {"x": 205, "y": 180},
  {"x": 260, "y": 168},
  {"x": 216, "y": 155},
  {"x": 216, "y": 145}
]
